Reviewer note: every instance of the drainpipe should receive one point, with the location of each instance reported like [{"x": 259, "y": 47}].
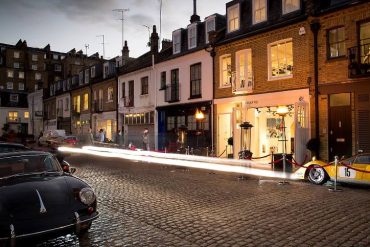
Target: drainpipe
[
  {"x": 117, "y": 102},
  {"x": 315, "y": 27}
]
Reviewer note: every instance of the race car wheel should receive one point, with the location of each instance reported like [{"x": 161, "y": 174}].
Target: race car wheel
[{"x": 317, "y": 175}]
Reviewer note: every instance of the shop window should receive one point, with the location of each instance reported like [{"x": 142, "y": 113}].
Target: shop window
[
  {"x": 13, "y": 116},
  {"x": 259, "y": 11},
  {"x": 291, "y": 5},
  {"x": 225, "y": 71},
  {"x": 180, "y": 121},
  {"x": 170, "y": 123},
  {"x": 281, "y": 59},
  {"x": 233, "y": 18},
  {"x": 336, "y": 42},
  {"x": 192, "y": 124}
]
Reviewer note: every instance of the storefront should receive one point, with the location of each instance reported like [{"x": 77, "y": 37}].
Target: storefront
[
  {"x": 268, "y": 126},
  {"x": 107, "y": 122},
  {"x": 188, "y": 126},
  {"x": 134, "y": 125}
]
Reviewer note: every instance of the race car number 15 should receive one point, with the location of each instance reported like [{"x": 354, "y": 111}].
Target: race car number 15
[{"x": 346, "y": 172}]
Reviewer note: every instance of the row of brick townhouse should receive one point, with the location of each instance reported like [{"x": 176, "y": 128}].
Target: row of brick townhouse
[{"x": 310, "y": 56}]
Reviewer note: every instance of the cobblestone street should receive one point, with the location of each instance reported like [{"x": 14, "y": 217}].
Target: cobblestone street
[{"x": 143, "y": 204}]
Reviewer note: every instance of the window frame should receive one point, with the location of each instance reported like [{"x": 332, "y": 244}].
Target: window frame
[
  {"x": 10, "y": 73},
  {"x": 38, "y": 76},
  {"x": 21, "y": 73},
  {"x": 110, "y": 94},
  {"x": 18, "y": 54},
  {"x": 144, "y": 82},
  {"x": 13, "y": 116},
  {"x": 247, "y": 53},
  {"x": 329, "y": 44},
  {"x": 8, "y": 84},
  {"x": 14, "y": 98},
  {"x": 19, "y": 86},
  {"x": 163, "y": 80},
  {"x": 35, "y": 57},
  {"x": 229, "y": 9},
  {"x": 209, "y": 20},
  {"x": 284, "y": 10},
  {"x": 269, "y": 60},
  {"x": 86, "y": 102},
  {"x": 192, "y": 29},
  {"x": 196, "y": 80},
  {"x": 222, "y": 84},
  {"x": 34, "y": 67},
  {"x": 254, "y": 22},
  {"x": 176, "y": 35}
]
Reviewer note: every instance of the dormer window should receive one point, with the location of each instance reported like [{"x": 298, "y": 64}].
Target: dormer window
[
  {"x": 233, "y": 18},
  {"x": 92, "y": 72},
  {"x": 192, "y": 36},
  {"x": 291, "y": 5},
  {"x": 210, "y": 26},
  {"x": 259, "y": 11},
  {"x": 87, "y": 72},
  {"x": 176, "y": 37}
]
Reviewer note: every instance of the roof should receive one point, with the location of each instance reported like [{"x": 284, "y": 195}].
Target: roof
[{"x": 22, "y": 153}]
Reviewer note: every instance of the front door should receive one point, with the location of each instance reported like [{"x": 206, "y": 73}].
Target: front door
[
  {"x": 224, "y": 132},
  {"x": 340, "y": 126}
]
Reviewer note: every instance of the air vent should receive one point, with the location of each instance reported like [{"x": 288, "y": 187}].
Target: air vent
[
  {"x": 363, "y": 130},
  {"x": 363, "y": 98}
]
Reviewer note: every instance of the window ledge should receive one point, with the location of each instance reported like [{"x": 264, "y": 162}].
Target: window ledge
[
  {"x": 162, "y": 88},
  {"x": 143, "y": 95},
  {"x": 334, "y": 59},
  {"x": 195, "y": 97},
  {"x": 222, "y": 87},
  {"x": 280, "y": 78}
]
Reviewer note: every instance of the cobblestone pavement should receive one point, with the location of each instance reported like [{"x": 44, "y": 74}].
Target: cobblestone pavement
[{"x": 143, "y": 204}]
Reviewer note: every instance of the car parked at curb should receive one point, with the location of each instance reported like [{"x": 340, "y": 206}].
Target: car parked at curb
[
  {"x": 40, "y": 198},
  {"x": 6, "y": 147},
  {"x": 355, "y": 169}
]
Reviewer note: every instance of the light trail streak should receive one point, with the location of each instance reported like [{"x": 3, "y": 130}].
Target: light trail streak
[{"x": 129, "y": 155}]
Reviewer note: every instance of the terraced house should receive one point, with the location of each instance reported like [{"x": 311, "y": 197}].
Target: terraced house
[{"x": 342, "y": 30}]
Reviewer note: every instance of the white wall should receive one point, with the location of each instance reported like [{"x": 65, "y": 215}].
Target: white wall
[
  {"x": 66, "y": 113},
  {"x": 183, "y": 63},
  {"x": 35, "y": 104}
]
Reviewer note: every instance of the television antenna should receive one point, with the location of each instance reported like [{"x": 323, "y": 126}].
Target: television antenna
[{"x": 122, "y": 11}]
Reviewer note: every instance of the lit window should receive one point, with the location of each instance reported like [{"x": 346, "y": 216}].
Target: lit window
[
  {"x": 281, "y": 59},
  {"x": 78, "y": 104},
  {"x": 244, "y": 77},
  {"x": 233, "y": 18},
  {"x": 34, "y": 57},
  {"x": 10, "y": 74},
  {"x": 21, "y": 75},
  {"x": 259, "y": 11},
  {"x": 21, "y": 86},
  {"x": 225, "y": 70},
  {"x": 16, "y": 54},
  {"x": 291, "y": 5},
  {"x": 176, "y": 37},
  {"x": 9, "y": 85},
  {"x": 110, "y": 94},
  {"x": 86, "y": 102},
  {"x": 210, "y": 26},
  {"x": 26, "y": 114},
  {"x": 336, "y": 43},
  {"x": 192, "y": 36},
  {"x": 13, "y": 116},
  {"x": 34, "y": 67}
]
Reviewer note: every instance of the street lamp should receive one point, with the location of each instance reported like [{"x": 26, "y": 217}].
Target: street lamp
[
  {"x": 282, "y": 111},
  {"x": 199, "y": 116}
]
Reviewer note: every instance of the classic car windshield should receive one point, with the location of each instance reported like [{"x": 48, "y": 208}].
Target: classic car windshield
[{"x": 26, "y": 164}]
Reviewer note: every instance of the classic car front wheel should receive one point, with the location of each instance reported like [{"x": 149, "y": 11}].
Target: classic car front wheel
[{"x": 317, "y": 175}]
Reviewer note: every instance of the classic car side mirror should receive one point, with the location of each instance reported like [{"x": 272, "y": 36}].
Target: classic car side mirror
[{"x": 67, "y": 167}]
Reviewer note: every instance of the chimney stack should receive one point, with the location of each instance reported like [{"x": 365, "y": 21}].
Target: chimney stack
[
  {"x": 154, "y": 38},
  {"x": 194, "y": 17},
  {"x": 125, "y": 53}
]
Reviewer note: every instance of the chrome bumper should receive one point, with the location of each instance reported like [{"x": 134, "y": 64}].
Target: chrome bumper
[{"x": 76, "y": 226}]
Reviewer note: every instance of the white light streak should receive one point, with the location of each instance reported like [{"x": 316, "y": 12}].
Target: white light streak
[{"x": 199, "y": 162}]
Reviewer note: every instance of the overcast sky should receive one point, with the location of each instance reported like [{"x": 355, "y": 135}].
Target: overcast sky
[{"x": 68, "y": 24}]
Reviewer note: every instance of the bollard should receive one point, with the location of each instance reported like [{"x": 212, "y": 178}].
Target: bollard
[
  {"x": 284, "y": 171},
  {"x": 165, "y": 150},
  {"x": 207, "y": 151},
  {"x": 335, "y": 189},
  {"x": 226, "y": 152}
]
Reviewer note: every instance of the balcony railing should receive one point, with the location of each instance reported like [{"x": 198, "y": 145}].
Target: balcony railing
[
  {"x": 242, "y": 86},
  {"x": 359, "y": 61},
  {"x": 172, "y": 93},
  {"x": 128, "y": 101}
]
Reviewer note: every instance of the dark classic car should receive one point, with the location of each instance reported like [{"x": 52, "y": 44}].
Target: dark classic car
[
  {"x": 6, "y": 147},
  {"x": 39, "y": 197}
]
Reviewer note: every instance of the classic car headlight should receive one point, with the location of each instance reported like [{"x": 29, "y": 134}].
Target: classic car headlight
[{"x": 87, "y": 196}]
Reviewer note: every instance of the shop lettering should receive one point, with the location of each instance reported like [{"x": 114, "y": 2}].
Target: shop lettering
[{"x": 251, "y": 102}]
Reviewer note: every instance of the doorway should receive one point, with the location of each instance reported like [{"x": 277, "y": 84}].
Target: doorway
[
  {"x": 340, "y": 126},
  {"x": 224, "y": 132}
]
